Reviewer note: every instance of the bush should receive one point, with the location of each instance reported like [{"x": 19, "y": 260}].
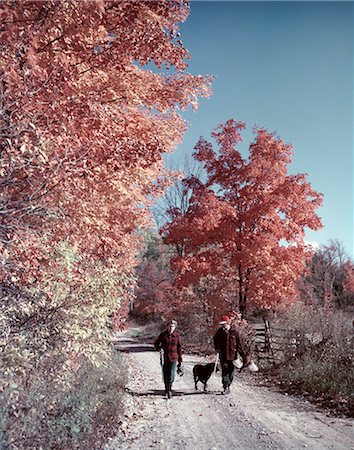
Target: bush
[
  {"x": 322, "y": 361},
  {"x": 61, "y": 384},
  {"x": 79, "y": 411}
]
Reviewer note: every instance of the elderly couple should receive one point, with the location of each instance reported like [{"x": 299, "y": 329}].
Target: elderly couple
[{"x": 226, "y": 342}]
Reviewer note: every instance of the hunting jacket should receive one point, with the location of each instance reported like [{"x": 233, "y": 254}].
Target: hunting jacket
[
  {"x": 227, "y": 343},
  {"x": 171, "y": 345}
]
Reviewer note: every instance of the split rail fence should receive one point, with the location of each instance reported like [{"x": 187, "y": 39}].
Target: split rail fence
[{"x": 272, "y": 344}]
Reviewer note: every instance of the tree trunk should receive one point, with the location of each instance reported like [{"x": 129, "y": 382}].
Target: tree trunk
[
  {"x": 241, "y": 297},
  {"x": 243, "y": 306}
]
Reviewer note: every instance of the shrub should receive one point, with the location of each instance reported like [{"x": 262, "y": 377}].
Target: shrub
[
  {"x": 321, "y": 359},
  {"x": 77, "y": 411},
  {"x": 60, "y": 383}
]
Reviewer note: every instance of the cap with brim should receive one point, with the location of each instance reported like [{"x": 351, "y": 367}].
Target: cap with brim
[{"x": 224, "y": 319}]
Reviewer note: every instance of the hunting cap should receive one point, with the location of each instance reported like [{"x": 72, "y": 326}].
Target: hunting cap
[{"x": 224, "y": 319}]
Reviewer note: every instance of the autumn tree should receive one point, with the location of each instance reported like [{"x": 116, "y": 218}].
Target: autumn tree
[
  {"x": 176, "y": 197},
  {"x": 247, "y": 221},
  {"x": 349, "y": 278},
  {"x": 83, "y": 126},
  {"x": 198, "y": 305},
  {"x": 154, "y": 290},
  {"x": 81, "y": 118},
  {"x": 328, "y": 281}
]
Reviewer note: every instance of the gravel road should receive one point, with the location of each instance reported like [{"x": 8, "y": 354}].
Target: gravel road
[{"x": 251, "y": 417}]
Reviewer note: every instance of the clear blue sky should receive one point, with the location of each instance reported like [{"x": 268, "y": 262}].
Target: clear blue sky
[{"x": 287, "y": 66}]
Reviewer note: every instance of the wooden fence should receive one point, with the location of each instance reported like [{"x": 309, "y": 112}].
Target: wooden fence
[{"x": 272, "y": 344}]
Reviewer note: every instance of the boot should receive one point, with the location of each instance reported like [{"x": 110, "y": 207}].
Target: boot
[
  {"x": 170, "y": 391},
  {"x": 226, "y": 390}
]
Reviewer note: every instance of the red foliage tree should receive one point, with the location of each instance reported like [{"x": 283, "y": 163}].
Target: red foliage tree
[
  {"x": 83, "y": 128},
  {"x": 349, "y": 277},
  {"x": 154, "y": 290},
  {"x": 328, "y": 280},
  {"x": 247, "y": 220},
  {"x": 84, "y": 125}
]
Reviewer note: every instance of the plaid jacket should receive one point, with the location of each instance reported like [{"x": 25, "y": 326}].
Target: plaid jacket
[
  {"x": 171, "y": 345},
  {"x": 227, "y": 343}
]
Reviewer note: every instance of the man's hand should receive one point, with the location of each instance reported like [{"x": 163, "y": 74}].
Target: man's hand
[
  {"x": 180, "y": 370},
  {"x": 161, "y": 356}
]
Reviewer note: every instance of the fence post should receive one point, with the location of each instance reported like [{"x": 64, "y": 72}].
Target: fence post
[{"x": 268, "y": 338}]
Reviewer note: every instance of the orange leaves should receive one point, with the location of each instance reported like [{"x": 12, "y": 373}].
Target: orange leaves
[
  {"x": 247, "y": 220},
  {"x": 85, "y": 128},
  {"x": 349, "y": 277},
  {"x": 228, "y": 135}
]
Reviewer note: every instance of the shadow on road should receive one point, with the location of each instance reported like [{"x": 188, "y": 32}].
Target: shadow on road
[
  {"x": 161, "y": 393},
  {"x": 132, "y": 345},
  {"x": 135, "y": 348}
]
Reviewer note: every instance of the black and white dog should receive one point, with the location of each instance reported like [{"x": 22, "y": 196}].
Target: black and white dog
[{"x": 202, "y": 373}]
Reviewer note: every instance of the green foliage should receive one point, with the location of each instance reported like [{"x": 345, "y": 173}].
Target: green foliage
[
  {"x": 80, "y": 412},
  {"x": 153, "y": 300},
  {"x": 60, "y": 381},
  {"x": 60, "y": 314}
]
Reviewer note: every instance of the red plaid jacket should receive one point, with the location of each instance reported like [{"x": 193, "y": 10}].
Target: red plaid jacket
[
  {"x": 227, "y": 343},
  {"x": 171, "y": 345}
]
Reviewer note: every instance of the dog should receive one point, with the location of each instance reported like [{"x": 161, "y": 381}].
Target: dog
[{"x": 202, "y": 373}]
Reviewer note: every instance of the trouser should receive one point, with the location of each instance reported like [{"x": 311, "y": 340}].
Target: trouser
[
  {"x": 169, "y": 369},
  {"x": 227, "y": 373}
]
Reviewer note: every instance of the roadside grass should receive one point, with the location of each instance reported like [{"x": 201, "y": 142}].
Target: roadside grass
[
  {"x": 321, "y": 365},
  {"x": 61, "y": 415}
]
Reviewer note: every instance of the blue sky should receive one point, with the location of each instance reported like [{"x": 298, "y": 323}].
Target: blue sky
[{"x": 287, "y": 66}]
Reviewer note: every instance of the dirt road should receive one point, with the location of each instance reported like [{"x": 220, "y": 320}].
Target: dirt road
[{"x": 251, "y": 417}]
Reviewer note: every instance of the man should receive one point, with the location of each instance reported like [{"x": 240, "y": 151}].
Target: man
[
  {"x": 169, "y": 343},
  {"x": 227, "y": 343}
]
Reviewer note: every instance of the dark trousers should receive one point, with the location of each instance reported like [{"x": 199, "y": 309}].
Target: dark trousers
[
  {"x": 169, "y": 369},
  {"x": 227, "y": 373}
]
